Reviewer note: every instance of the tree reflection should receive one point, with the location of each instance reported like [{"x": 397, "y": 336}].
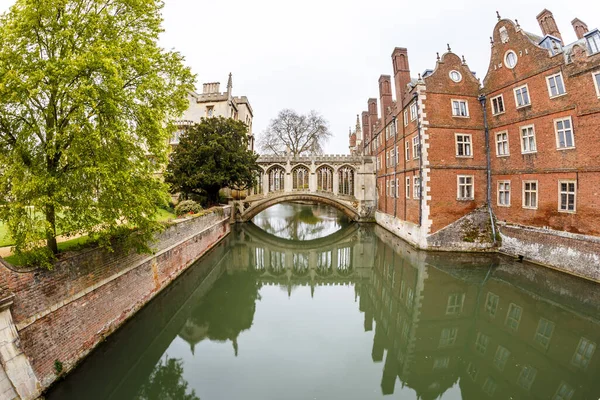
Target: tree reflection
[{"x": 166, "y": 382}]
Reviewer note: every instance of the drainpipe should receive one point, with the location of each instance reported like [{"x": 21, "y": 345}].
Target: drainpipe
[
  {"x": 482, "y": 101},
  {"x": 416, "y": 97}
]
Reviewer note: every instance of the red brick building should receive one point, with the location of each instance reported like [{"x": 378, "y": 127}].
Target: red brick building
[{"x": 517, "y": 154}]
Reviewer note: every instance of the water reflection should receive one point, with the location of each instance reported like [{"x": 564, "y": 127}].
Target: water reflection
[
  {"x": 296, "y": 221},
  {"x": 354, "y": 315}
]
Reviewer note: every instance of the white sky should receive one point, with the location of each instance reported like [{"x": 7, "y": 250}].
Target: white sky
[{"x": 327, "y": 55}]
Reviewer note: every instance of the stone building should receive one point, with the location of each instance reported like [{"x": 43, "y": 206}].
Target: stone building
[
  {"x": 213, "y": 103},
  {"x": 459, "y": 159}
]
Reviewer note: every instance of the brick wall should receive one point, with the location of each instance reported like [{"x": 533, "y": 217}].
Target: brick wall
[{"x": 64, "y": 313}]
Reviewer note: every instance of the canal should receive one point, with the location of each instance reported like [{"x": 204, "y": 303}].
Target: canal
[{"x": 303, "y": 304}]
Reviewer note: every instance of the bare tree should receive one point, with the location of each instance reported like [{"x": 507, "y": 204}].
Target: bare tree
[{"x": 301, "y": 134}]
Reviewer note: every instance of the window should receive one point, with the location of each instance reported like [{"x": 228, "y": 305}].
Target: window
[
  {"x": 593, "y": 41},
  {"x": 408, "y": 187},
  {"x": 504, "y": 193},
  {"x": 501, "y": 357},
  {"x": 387, "y": 188},
  {"x": 300, "y": 178},
  {"x": 472, "y": 371},
  {"x": 463, "y": 145},
  {"x": 583, "y": 353},
  {"x": 481, "y": 343},
  {"x": 489, "y": 386},
  {"x": 448, "y": 337},
  {"x": 346, "y": 181},
  {"x": 522, "y": 96},
  {"x": 393, "y": 188},
  {"x": 544, "y": 331},
  {"x": 460, "y": 108},
  {"x": 556, "y": 86},
  {"x": 530, "y": 194},
  {"x": 393, "y": 156},
  {"x": 210, "y": 111},
  {"x": 416, "y": 147},
  {"x": 441, "y": 363},
  {"x": 596, "y": 77},
  {"x": 502, "y": 148},
  {"x": 491, "y": 304},
  {"x": 325, "y": 177},
  {"x": 526, "y": 377},
  {"x": 513, "y": 317},
  {"x": 413, "y": 111},
  {"x": 276, "y": 179},
  {"x": 455, "y": 76},
  {"x": 528, "y": 139},
  {"x": 378, "y": 163},
  {"x": 405, "y": 117},
  {"x": 497, "y": 105},
  {"x": 455, "y": 303},
  {"x": 564, "y": 133},
  {"x": 564, "y": 392},
  {"x": 566, "y": 196},
  {"x": 510, "y": 59},
  {"x": 407, "y": 150},
  {"x": 416, "y": 187},
  {"x": 397, "y": 196},
  {"x": 387, "y": 160},
  {"x": 465, "y": 187}
]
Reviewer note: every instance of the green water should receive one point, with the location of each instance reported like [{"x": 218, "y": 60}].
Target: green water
[{"x": 357, "y": 314}]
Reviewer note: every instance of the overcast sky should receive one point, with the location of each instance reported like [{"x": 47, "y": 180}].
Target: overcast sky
[{"x": 327, "y": 55}]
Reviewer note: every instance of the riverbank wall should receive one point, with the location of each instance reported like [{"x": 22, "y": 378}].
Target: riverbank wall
[{"x": 50, "y": 320}]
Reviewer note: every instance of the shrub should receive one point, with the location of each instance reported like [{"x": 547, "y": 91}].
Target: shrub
[{"x": 187, "y": 207}]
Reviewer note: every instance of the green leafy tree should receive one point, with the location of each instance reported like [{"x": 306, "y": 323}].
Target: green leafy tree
[
  {"x": 87, "y": 97},
  {"x": 166, "y": 382},
  {"x": 210, "y": 156}
]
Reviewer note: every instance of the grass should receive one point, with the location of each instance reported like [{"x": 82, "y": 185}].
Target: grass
[{"x": 5, "y": 239}]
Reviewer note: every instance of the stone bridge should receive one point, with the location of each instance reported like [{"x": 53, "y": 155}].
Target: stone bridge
[{"x": 346, "y": 182}]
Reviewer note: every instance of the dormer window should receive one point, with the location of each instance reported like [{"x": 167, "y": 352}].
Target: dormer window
[{"x": 593, "y": 41}]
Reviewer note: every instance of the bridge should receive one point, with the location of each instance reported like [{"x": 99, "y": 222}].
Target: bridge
[{"x": 346, "y": 182}]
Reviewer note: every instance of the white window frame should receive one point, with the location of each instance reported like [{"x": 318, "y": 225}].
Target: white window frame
[
  {"x": 556, "y": 131},
  {"x": 596, "y": 79},
  {"x": 508, "y": 316},
  {"x": 387, "y": 187},
  {"x": 392, "y": 188},
  {"x": 574, "y": 193},
  {"x": 594, "y": 37},
  {"x": 406, "y": 150},
  {"x": 416, "y": 187},
  {"x": 397, "y": 196},
  {"x": 413, "y": 110},
  {"x": 537, "y": 194},
  {"x": 416, "y": 147},
  {"x": 528, "y": 96},
  {"x": 502, "y": 141},
  {"x": 557, "y": 75},
  {"x": 583, "y": 361},
  {"x": 501, "y": 97},
  {"x": 468, "y": 144},
  {"x": 540, "y": 337},
  {"x": 501, "y": 357},
  {"x": 499, "y": 191},
  {"x": 459, "y": 101},
  {"x": 407, "y": 187},
  {"x": 405, "y": 117},
  {"x": 488, "y": 301},
  {"x": 564, "y": 392},
  {"x": 528, "y": 151},
  {"x": 481, "y": 343},
  {"x": 455, "y": 304},
  {"x": 458, "y": 186}
]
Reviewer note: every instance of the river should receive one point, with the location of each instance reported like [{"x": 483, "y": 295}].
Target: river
[{"x": 303, "y": 304}]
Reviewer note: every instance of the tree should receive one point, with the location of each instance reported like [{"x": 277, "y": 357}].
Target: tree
[
  {"x": 166, "y": 382},
  {"x": 210, "y": 156},
  {"x": 301, "y": 134},
  {"x": 87, "y": 103}
]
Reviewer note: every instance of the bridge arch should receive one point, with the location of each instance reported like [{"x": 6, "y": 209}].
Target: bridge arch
[{"x": 260, "y": 205}]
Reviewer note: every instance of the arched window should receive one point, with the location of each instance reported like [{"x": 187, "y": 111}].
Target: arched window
[
  {"x": 325, "y": 179},
  {"x": 276, "y": 179},
  {"x": 346, "y": 175},
  {"x": 258, "y": 183},
  {"x": 344, "y": 264},
  {"x": 300, "y": 178}
]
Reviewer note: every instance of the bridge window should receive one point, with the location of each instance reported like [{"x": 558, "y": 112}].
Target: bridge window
[
  {"x": 325, "y": 179},
  {"x": 276, "y": 179},
  {"x": 259, "y": 262},
  {"x": 258, "y": 184},
  {"x": 300, "y": 263},
  {"x": 277, "y": 263},
  {"x": 346, "y": 175},
  {"x": 324, "y": 264},
  {"x": 300, "y": 178},
  {"x": 344, "y": 263}
]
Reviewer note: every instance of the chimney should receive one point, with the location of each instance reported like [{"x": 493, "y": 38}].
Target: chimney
[
  {"x": 372, "y": 107},
  {"x": 385, "y": 95},
  {"x": 366, "y": 129},
  {"x": 580, "y": 28},
  {"x": 548, "y": 24},
  {"x": 401, "y": 73}
]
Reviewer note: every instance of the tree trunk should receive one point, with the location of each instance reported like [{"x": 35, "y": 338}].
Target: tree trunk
[{"x": 51, "y": 242}]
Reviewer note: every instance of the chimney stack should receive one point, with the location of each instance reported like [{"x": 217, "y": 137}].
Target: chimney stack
[
  {"x": 372, "y": 108},
  {"x": 401, "y": 73},
  {"x": 548, "y": 24},
  {"x": 580, "y": 28},
  {"x": 366, "y": 130},
  {"x": 385, "y": 95}
]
